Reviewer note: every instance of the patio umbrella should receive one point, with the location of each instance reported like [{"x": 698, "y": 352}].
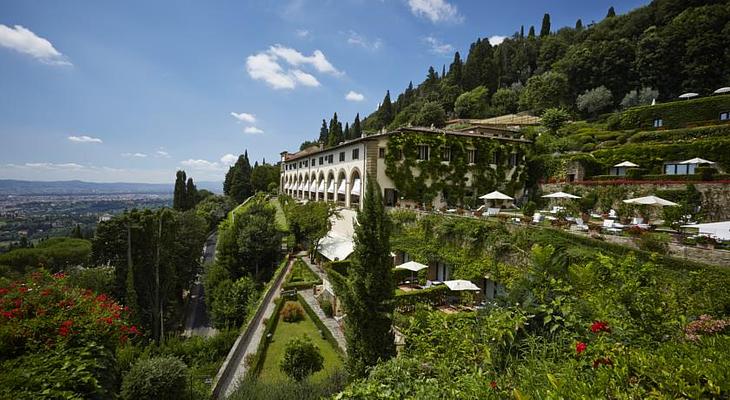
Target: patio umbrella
[
  {"x": 412, "y": 266},
  {"x": 461, "y": 284},
  {"x": 561, "y": 195},
  {"x": 688, "y": 95},
  {"x": 627, "y": 164},
  {"x": 495, "y": 195},
  {"x": 650, "y": 201},
  {"x": 697, "y": 160},
  {"x": 722, "y": 90}
]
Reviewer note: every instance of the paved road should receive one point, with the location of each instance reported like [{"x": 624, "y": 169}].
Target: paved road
[{"x": 197, "y": 322}]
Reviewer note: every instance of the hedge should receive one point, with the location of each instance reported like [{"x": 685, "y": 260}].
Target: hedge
[
  {"x": 258, "y": 358},
  {"x": 320, "y": 325},
  {"x": 677, "y": 114},
  {"x": 681, "y": 134},
  {"x": 434, "y": 296}
]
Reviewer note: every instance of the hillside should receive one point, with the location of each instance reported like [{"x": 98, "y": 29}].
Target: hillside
[{"x": 680, "y": 39}]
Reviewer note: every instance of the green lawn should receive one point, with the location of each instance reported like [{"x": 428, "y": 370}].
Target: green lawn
[
  {"x": 284, "y": 331},
  {"x": 281, "y": 221},
  {"x": 301, "y": 273}
]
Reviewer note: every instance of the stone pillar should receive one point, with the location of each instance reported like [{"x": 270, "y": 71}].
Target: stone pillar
[{"x": 347, "y": 193}]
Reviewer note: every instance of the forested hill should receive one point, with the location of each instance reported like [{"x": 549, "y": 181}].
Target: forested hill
[{"x": 670, "y": 46}]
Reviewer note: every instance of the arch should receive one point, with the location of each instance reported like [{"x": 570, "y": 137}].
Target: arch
[
  {"x": 355, "y": 189},
  {"x": 341, "y": 191},
  {"x": 321, "y": 186},
  {"x": 331, "y": 185}
]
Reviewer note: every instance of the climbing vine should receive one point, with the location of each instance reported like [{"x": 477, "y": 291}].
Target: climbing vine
[{"x": 422, "y": 180}]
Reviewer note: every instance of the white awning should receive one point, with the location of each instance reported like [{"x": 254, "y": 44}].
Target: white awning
[
  {"x": 313, "y": 187},
  {"x": 287, "y": 186},
  {"x": 343, "y": 187},
  {"x": 495, "y": 196},
  {"x": 336, "y": 247},
  {"x": 561, "y": 195},
  {"x": 331, "y": 188},
  {"x": 650, "y": 201},
  {"x": 300, "y": 186},
  {"x": 320, "y": 189},
  {"x": 412, "y": 266},
  {"x": 627, "y": 164},
  {"x": 461, "y": 284},
  {"x": 356, "y": 187},
  {"x": 688, "y": 95},
  {"x": 696, "y": 160},
  {"x": 722, "y": 90},
  {"x": 718, "y": 230}
]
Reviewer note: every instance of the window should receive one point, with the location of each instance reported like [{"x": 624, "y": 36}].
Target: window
[
  {"x": 471, "y": 156},
  {"x": 381, "y": 152},
  {"x": 513, "y": 160},
  {"x": 725, "y": 116},
  {"x": 330, "y": 158},
  {"x": 321, "y": 160},
  {"x": 658, "y": 123},
  {"x": 495, "y": 158},
  {"x": 423, "y": 151},
  {"x": 446, "y": 153},
  {"x": 342, "y": 156},
  {"x": 355, "y": 154},
  {"x": 306, "y": 163},
  {"x": 314, "y": 162}
]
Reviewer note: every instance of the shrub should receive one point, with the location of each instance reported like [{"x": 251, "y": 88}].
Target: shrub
[
  {"x": 155, "y": 378},
  {"x": 529, "y": 208},
  {"x": 613, "y": 122},
  {"x": 595, "y": 100},
  {"x": 327, "y": 307},
  {"x": 231, "y": 301},
  {"x": 292, "y": 312},
  {"x": 635, "y": 173},
  {"x": 554, "y": 119},
  {"x": 301, "y": 358},
  {"x": 654, "y": 243},
  {"x": 706, "y": 173}
]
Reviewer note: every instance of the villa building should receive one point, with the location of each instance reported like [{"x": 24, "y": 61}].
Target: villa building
[{"x": 414, "y": 166}]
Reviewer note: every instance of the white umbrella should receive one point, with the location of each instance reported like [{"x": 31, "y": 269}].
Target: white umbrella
[
  {"x": 627, "y": 164},
  {"x": 650, "y": 201},
  {"x": 697, "y": 160},
  {"x": 725, "y": 89},
  {"x": 561, "y": 195},
  {"x": 688, "y": 95},
  {"x": 412, "y": 266},
  {"x": 495, "y": 195},
  {"x": 461, "y": 284}
]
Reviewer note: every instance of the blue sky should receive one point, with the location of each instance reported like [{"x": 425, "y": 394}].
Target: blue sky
[{"x": 131, "y": 91}]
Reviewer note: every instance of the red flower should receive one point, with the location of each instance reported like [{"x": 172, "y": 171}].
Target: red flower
[
  {"x": 3, "y": 291},
  {"x": 101, "y": 298},
  {"x": 7, "y": 314},
  {"x": 59, "y": 275},
  {"x": 45, "y": 292},
  {"x": 23, "y": 289},
  {"x": 493, "y": 385},
  {"x": 18, "y": 302},
  {"x": 580, "y": 347},
  {"x": 600, "y": 326},
  {"x": 133, "y": 330}
]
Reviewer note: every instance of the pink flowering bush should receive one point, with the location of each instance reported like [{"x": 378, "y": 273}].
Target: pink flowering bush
[{"x": 704, "y": 325}]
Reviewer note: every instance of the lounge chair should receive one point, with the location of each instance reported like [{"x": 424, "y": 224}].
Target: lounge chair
[
  {"x": 610, "y": 226},
  {"x": 639, "y": 222},
  {"x": 580, "y": 225},
  {"x": 612, "y": 214},
  {"x": 537, "y": 218},
  {"x": 493, "y": 212}
]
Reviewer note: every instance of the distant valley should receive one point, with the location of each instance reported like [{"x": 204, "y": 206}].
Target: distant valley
[{"x": 19, "y": 187}]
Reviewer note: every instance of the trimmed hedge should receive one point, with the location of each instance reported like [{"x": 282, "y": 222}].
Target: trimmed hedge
[
  {"x": 677, "y": 114},
  {"x": 681, "y": 134},
  {"x": 271, "y": 323},
  {"x": 320, "y": 325},
  {"x": 434, "y": 296}
]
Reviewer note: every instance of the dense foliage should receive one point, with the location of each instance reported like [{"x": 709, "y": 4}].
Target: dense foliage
[
  {"x": 155, "y": 378},
  {"x": 301, "y": 358},
  {"x": 54, "y": 254}
]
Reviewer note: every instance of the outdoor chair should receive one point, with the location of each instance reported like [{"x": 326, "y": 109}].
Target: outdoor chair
[
  {"x": 610, "y": 226},
  {"x": 537, "y": 218},
  {"x": 580, "y": 225},
  {"x": 492, "y": 212}
]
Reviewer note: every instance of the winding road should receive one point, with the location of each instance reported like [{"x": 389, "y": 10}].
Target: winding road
[{"x": 197, "y": 322}]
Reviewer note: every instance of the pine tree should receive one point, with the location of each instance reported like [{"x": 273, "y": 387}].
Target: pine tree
[
  {"x": 368, "y": 302},
  {"x": 240, "y": 179},
  {"x": 178, "y": 198},
  {"x": 443, "y": 71},
  {"x": 356, "y": 127},
  {"x": 323, "y": 132},
  {"x": 545, "y": 30},
  {"x": 522, "y": 31},
  {"x": 611, "y": 13},
  {"x": 191, "y": 195},
  {"x": 455, "y": 69},
  {"x": 334, "y": 136},
  {"x": 531, "y": 33},
  {"x": 386, "y": 107},
  {"x": 346, "y": 133},
  {"x": 579, "y": 25}
]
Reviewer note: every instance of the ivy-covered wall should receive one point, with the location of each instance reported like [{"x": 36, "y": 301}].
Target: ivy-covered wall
[
  {"x": 677, "y": 114},
  {"x": 423, "y": 180}
]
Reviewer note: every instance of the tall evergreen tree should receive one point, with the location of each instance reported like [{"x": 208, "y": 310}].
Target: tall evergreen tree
[
  {"x": 346, "y": 133},
  {"x": 323, "y": 132},
  {"x": 531, "y": 33},
  {"x": 191, "y": 194},
  {"x": 368, "y": 302},
  {"x": 240, "y": 179},
  {"x": 386, "y": 108},
  {"x": 178, "y": 197},
  {"x": 455, "y": 70},
  {"x": 334, "y": 136},
  {"x": 522, "y": 31},
  {"x": 479, "y": 68},
  {"x": 611, "y": 12},
  {"x": 356, "y": 130},
  {"x": 579, "y": 25},
  {"x": 545, "y": 30},
  {"x": 443, "y": 71},
  {"x": 76, "y": 233}
]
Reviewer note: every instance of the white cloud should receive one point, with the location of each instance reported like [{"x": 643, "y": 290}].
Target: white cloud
[
  {"x": 437, "y": 47},
  {"x": 303, "y": 33},
  {"x": 357, "y": 39},
  {"x": 49, "y": 166},
  {"x": 435, "y": 10},
  {"x": 162, "y": 153},
  {"x": 229, "y": 159},
  {"x": 496, "y": 39},
  {"x": 199, "y": 164},
  {"x": 24, "y": 41},
  {"x": 354, "y": 96},
  {"x": 244, "y": 117},
  {"x": 84, "y": 139},
  {"x": 266, "y": 66},
  {"x": 252, "y": 130},
  {"x": 136, "y": 155}
]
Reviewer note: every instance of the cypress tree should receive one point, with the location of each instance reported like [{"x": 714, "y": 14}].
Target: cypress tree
[
  {"x": 545, "y": 30},
  {"x": 443, "y": 71},
  {"x": 346, "y": 133},
  {"x": 356, "y": 127},
  {"x": 240, "y": 186},
  {"x": 522, "y": 31},
  {"x": 323, "y": 132},
  {"x": 369, "y": 301},
  {"x": 334, "y": 136},
  {"x": 386, "y": 108},
  {"x": 578, "y": 25},
  {"x": 191, "y": 194},
  {"x": 531, "y": 34},
  {"x": 178, "y": 197},
  {"x": 455, "y": 69},
  {"x": 611, "y": 13}
]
